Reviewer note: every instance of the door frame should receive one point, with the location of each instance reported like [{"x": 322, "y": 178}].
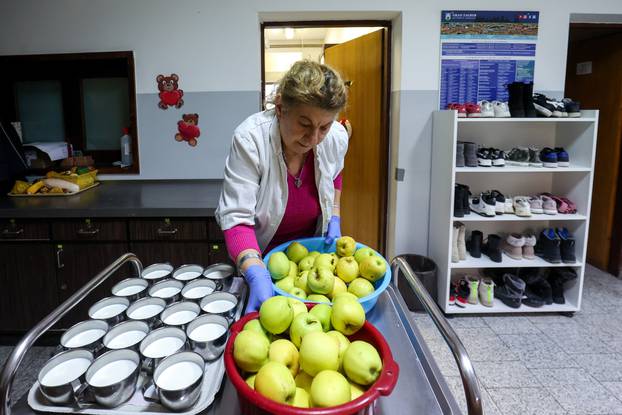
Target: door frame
[{"x": 386, "y": 96}]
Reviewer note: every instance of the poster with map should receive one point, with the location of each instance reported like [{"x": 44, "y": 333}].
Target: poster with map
[{"x": 483, "y": 51}]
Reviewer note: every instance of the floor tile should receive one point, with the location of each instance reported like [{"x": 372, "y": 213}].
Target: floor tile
[
  {"x": 573, "y": 338},
  {"x": 537, "y": 351},
  {"x": 603, "y": 367},
  {"x": 457, "y": 389},
  {"x": 504, "y": 375},
  {"x": 525, "y": 401},
  {"x": 586, "y": 398},
  {"x": 511, "y": 325},
  {"x": 615, "y": 388},
  {"x": 562, "y": 376},
  {"x": 488, "y": 349},
  {"x": 467, "y": 322}
]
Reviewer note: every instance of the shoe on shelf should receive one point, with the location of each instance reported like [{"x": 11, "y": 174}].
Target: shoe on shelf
[
  {"x": 498, "y": 157},
  {"x": 558, "y": 108},
  {"x": 455, "y": 255},
  {"x": 521, "y": 206},
  {"x": 452, "y": 295},
  {"x": 534, "y": 157},
  {"x": 563, "y": 159},
  {"x": 473, "y": 110},
  {"x": 458, "y": 107},
  {"x": 530, "y": 110},
  {"x": 528, "y": 247},
  {"x": 509, "y": 205},
  {"x": 459, "y": 154},
  {"x": 486, "y": 109},
  {"x": 483, "y": 205},
  {"x": 485, "y": 157},
  {"x": 461, "y": 241},
  {"x": 475, "y": 244},
  {"x": 543, "y": 106},
  {"x": 462, "y": 292},
  {"x": 518, "y": 156},
  {"x": 566, "y": 246},
  {"x": 501, "y": 109},
  {"x": 557, "y": 278},
  {"x": 492, "y": 248},
  {"x": 460, "y": 193},
  {"x": 535, "y": 205},
  {"x": 549, "y": 207},
  {"x": 470, "y": 154},
  {"x": 537, "y": 289},
  {"x": 563, "y": 204},
  {"x": 486, "y": 292},
  {"x": 548, "y": 156},
  {"x": 548, "y": 246},
  {"x": 499, "y": 201},
  {"x": 513, "y": 246},
  {"x": 473, "y": 289},
  {"x": 511, "y": 291},
  {"x": 515, "y": 101},
  {"x": 573, "y": 108}
]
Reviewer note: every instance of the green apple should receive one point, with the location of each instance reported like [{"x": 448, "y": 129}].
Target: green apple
[
  {"x": 276, "y": 314},
  {"x": 318, "y": 351},
  {"x": 250, "y": 381},
  {"x": 326, "y": 261},
  {"x": 348, "y": 315},
  {"x": 278, "y": 265},
  {"x": 347, "y": 268},
  {"x": 297, "y": 305},
  {"x": 344, "y": 342},
  {"x": 255, "y": 325},
  {"x": 296, "y": 251},
  {"x": 302, "y": 325},
  {"x": 293, "y": 270},
  {"x": 373, "y": 268},
  {"x": 320, "y": 280},
  {"x": 362, "y": 363},
  {"x": 301, "y": 281},
  {"x": 275, "y": 381},
  {"x": 306, "y": 263},
  {"x": 301, "y": 400},
  {"x": 346, "y": 246},
  {"x": 298, "y": 292},
  {"x": 303, "y": 381},
  {"x": 330, "y": 388},
  {"x": 338, "y": 288},
  {"x": 345, "y": 294},
  {"x": 318, "y": 298},
  {"x": 284, "y": 351},
  {"x": 322, "y": 312},
  {"x": 363, "y": 253},
  {"x": 361, "y": 287},
  {"x": 250, "y": 350},
  {"x": 356, "y": 390},
  {"x": 286, "y": 283},
  {"x": 314, "y": 254}
]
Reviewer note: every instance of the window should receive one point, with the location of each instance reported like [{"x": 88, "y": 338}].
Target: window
[{"x": 85, "y": 99}]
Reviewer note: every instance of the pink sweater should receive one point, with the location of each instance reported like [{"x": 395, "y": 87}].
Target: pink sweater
[{"x": 300, "y": 218}]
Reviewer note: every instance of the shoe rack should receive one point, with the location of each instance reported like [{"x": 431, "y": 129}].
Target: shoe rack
[{"x": 576, "y": 135}]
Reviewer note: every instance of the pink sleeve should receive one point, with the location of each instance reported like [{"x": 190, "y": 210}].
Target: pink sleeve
[
  {"x": 239, "y": 238},
  {"x": 338, "y": 182}
]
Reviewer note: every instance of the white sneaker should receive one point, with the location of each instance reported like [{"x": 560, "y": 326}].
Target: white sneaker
[
  {"x": 487, "y": 292},
  {"x": 473, "y": 286},
  {"x": 486, "y": 109},
  {"x": 483, "y": 205},
  {"x": 521, "y": 206},
  {"x": 509, "y": 204},
  {"x": 501, "y": 109}
]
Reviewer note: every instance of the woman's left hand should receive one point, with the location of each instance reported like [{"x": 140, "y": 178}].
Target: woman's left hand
[{"x": 334, "y": 230}]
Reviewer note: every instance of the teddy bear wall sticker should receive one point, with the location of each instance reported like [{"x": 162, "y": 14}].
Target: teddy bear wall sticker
[
  {"x": 171, "y": 96},
  {"x": 188, "y": 129}
]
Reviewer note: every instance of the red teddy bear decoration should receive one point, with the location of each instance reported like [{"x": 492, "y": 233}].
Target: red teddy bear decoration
[
  {"x": 170, "y": 95},
  {"x": 188, "y": 130}
]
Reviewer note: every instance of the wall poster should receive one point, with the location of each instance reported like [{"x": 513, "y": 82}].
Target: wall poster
[{"x": 483, "y": 51}]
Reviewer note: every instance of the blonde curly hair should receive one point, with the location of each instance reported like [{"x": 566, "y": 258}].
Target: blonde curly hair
[{"x": 314, "y": 84}]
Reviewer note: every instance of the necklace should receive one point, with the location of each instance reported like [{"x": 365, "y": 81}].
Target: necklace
[{"x": 298, "y": 179}]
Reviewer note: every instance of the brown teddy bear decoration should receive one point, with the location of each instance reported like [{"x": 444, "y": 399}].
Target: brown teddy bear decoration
[
  {"x": 188, "y": 129},
  {"x": 170, "y": 95}
]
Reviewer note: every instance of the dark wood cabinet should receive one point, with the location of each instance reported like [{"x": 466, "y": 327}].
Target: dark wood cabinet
[
  {"x": 218, "y": 253},
  {"x": 27, "y": 283},
  {"x": 177, "y": 253},
  {"x": 167, "y": 229}
]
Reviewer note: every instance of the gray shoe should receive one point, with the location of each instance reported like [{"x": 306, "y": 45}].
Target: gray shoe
[
  {"x": 512, "y": 291},
  {"x": 460, "y": 154},
  {"x": 470, "y": 154}
]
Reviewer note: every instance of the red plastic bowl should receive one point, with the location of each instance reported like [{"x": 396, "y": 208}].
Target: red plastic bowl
[{"x": 253, "y": 403}]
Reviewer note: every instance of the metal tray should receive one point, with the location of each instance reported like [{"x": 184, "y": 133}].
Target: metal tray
[{"x": 212, "y": 381}]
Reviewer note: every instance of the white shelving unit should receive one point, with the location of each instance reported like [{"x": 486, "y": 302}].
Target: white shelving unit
[{"x": 576, "y": 135}]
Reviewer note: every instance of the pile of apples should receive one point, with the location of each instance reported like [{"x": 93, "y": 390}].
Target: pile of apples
[
  {"x": 302, "y": 357},
  {"x": 320, "y": 277}
]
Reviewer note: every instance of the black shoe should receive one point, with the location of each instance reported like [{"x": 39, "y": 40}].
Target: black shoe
[
  {"x": 466, "y": 209},
  {"x": 542, "y": 105},
  {"x": 548, "y": 157},
  {"x": 518, "y": 156},
  {"x": 537, "y": 289},
  {"x": 563, "y": 159},
  {"x": 530, "y": 111},
  {"x": 475, "y": 244},
  {"x": 573, "y": 108},
  {"x": 459, "y": 201},
  {"x": 492, "y": 248},
  {"x": 548, "y": 246},
  {"x": 566, "y": 248},
  {"x": 516, "y": 102},
  {"x": 557, "y": 278},
  {"x": 498, "y": 157},
  {"x": 485, "y": 157},
  {"x": 510, "y": 291}
]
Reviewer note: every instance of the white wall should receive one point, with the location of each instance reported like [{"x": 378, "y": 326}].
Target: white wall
[{"x": 215, "y": 46}]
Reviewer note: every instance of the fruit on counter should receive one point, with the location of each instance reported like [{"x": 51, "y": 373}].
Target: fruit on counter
[
  {"x": 35, "y": 187},
  {"x": 362, "y": 363},
  {"x": 323, "y": 313},
  {"x": 278, "y": 265},
  {"x": 330, "y": 388},
  {"x": 255, "y": 325},
  {"x": 250, "y": 381},
  {"x": 361, "y": 287},
  {"x": 303, "y": 381},
  {"x": 297, "y": 306},
  {"x": 250, "y": 350},
  {"x": 325, "y": 261},
  {"x": 346, "y": 245},
  {"x": 347, "y": 269},
  {"x": 363, "y": 253},
  {"x": 284, "y": 351},
  {"x": 276, "y": 314},
  {"x": 20, "y": 187},
  {"x": 373, "y": 268},
  {"x": 344, "y": 342},
  {"x": 296, "y": 251},
  {"x": 307, "y": 263},
  {"x": 276, "y": 382},
  {"x": 298, "y": 292},
  {"x": 302, "y": 325},
  {"x": 348, "y": 315},
  {"x": 286, "y": 283},
  {"x": 318, "y": 351},
  {"x": 302, "y": 399},
  {"x": 320, "y": 280},
  {"x": 63, "y": 184},
  {"x": 318, "y": 297},
  {"x": 338, "y": 288}
]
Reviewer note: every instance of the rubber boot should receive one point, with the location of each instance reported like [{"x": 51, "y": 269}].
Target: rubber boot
[
  {"x": 516, "y": 100},
  {"x": 530, "y": 110}
]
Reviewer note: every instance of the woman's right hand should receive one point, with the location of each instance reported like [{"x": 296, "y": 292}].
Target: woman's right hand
[{"x": 260, "y": 284}]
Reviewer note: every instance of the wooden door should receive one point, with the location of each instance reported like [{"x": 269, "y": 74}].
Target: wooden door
[{"x": 363, "y": 62}]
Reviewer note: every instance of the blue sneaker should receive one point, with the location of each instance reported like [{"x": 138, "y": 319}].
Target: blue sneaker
[
  {"x": 548, "y": 156},
  {"x": 563, "y": 159}
]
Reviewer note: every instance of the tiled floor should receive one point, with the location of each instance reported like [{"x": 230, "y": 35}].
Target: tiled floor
[
  {"x": 543, "y": 364},
  {"x": 527, "y": 364}
]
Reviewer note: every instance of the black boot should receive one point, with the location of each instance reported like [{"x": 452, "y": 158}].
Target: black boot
[
  {"x": 511, "y": 291},
  {"x": 557, "y": 278},
  {"x": 516, "y": 101},
  {"x": 538, "y": 291},
  {"x": 475, "y": 244},
  {"x": 530, "y": 110},
  {"x": 466, "y": 209},
  {"x": 458, "y": 201},
  {"x": 492, "y": 248}
]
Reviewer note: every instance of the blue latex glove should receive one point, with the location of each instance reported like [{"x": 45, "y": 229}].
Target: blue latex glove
[
  {"x": 334, "y": 230},
  {"x": 260, "y": 284}
]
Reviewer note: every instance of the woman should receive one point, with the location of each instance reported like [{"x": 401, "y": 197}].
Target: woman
[{"x": 283, "y": 174}]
